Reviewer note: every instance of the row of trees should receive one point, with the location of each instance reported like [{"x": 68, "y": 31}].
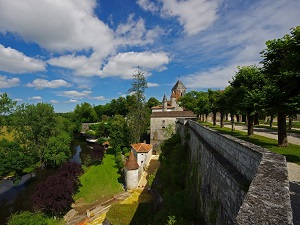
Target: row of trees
[{"x": 272, "y": 89}]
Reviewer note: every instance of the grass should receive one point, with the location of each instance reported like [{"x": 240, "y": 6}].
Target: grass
[
  {"x": 292, "y": 152},
  {"x": 99, "y": 182}
]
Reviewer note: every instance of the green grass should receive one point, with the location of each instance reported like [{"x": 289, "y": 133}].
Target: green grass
[
  {"x": 292, "y": 152},
  {"x": 99, "y": 182}
]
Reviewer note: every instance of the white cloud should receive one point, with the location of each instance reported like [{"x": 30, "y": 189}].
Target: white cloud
[
  {"x": 152, "y": 85},
  {"x": 13, "y": 61},
  {"x": 194, "y": 15},
  {"x": 76, "y": 94},
  {"x": 126, "y": 64},
  {"x": 18, "y": 99},
  {"x": 6, "y": 82},
  {"x": 99, "y": 98},
  {"x": 135, "y": 33},
  {"x": 54, "y": 101},
  {"x": 37, "y": 98},
  {"x": 71, "y": 101},
  {"x": 42, "y": 83},
  {"x": 148, "y": 5}
]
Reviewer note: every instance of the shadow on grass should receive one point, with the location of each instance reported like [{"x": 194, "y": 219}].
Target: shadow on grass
[{"x": 292, "y": 158}]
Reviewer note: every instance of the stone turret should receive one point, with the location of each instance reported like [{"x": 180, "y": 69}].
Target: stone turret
[
  {"x": 131, "y": 172},
  {"x": 179, "y": 89},
  {"x": 173, "y": 99},
  {"x": 165, "y": 103}
]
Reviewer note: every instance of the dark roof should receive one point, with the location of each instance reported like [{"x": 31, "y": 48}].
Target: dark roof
[
  {"x": 178, "y": 85},
  {"x": 177, "y": 114},
  {"x": 131, "y": 163}
]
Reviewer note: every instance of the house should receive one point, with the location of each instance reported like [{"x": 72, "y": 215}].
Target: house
[
  {"x": 142, "y": 153},
  {"x": 164, "y": 117}
]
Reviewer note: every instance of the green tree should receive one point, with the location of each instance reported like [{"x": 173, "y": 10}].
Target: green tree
[
  {"x": 249, "y": 83},
  {"x": 152, "y": 102},
  {"x": 118, "y": 132},
  {"x": 57, "y": 149},
  {"x": 281, "y": 65},
  {"x": 33, "y": 125},
  {"x": 137, "y": 116},
  {"x": 30, "y": 218},
  {"x": 85, "y": 113},
  {"x": 7, "y": 105},
  {"x": 213, "y": 99}
]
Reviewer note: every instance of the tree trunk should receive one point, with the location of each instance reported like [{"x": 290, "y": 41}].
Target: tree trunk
[
  {"x": 282, "y": 133},
  {"x": 290, "y": 122},
  {"x": 271, "y": 121},
  {"x": 222, "y": 120},
  {"x": 244, "y": 118},
  {"x": 214, "y": 118},
  {"x": 256, "y": 120},
  {"x": 226, "y": 116},
  {"x": 250, "y": 119},
  {"x": 237, "y": 118},
  {"x": 232, "y": 122}
]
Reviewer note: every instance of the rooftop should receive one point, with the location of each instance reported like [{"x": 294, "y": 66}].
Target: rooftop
[{"x": 142, "y": 147}]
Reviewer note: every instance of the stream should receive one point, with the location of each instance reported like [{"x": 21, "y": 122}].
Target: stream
[{"x": 15, "y": 198}]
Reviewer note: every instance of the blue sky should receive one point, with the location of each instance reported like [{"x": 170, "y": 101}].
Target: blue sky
[{"x": 73, "y": 51}]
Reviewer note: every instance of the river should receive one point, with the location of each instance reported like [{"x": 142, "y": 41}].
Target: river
[{"x": 15, "y": 198}]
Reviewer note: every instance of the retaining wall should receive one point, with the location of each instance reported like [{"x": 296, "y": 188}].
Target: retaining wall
[{"x": 233, "y": 181}]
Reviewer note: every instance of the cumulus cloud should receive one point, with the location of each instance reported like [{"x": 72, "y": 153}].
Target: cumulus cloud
[
  {"x": 99, "y": 98},
  {"x": 6, "y": 82},
  {"x": 152, "y": 85},
  {"x": 18, "y": 99},
  {"x": 194, "y": 15},
  {"x": 135, "y": 33},
  {"x": 126, "y": 64},
  {"x": 71, "y": 101},
  {"x": 36, "y": 98},
  {"x": 42, "y": 83},
  {"x": 54, "y": 101},
  {"x": 13, "y": 61},
  {"x": 76, "y": 94}
]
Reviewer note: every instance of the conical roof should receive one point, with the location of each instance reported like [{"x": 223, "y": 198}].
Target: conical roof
[
  {"x": 131, "y": 163},
  {"x": 178, "y": 85}
]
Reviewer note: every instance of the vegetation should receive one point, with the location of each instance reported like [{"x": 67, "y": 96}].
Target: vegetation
[
  {"x": 272, "y": 89},
  {"x": 30, "y": 218},
  {"x": 100, "y": 181},
  {"x": 292, "y": 152},
  {"x": 54, "y": 196}
]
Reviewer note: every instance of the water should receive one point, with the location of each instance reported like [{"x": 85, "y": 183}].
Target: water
[{"x": 15, "y": 198}]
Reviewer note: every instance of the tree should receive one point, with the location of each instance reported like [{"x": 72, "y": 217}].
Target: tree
[
  {"x": 57, "y": 149},
  {"x": 34, "y": 125},
  {"x": 281, "y": 65},
  {"x": 7, "y": 106},
  {"x": 152, "y": 102},
  {"x": 137, "y": 116},
  {"x": 118, "y": 132},
  {"x": 249, "y": 83},
  {"x": 29, "y": 218},
  {"x": 213, "y": 98},
  {"x": 85, "y": 113}
]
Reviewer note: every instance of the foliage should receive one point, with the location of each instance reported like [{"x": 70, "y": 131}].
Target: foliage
[
  {"x": 7, "y": 106},
  {"x": 31, "y": 218},
  {"x": 54, "y": 196},
  {"x": 33, "y": 125},
  {"x": 281, "y": 60},
  {"x": 97, "y": 154},
  {"x": 99, "y": 182},
  {"x": 57, "y": 149},
  {"x": 85, "y": 113},
  {"x": 138, "y": 116},
  {"x": 118, "y": 132},
  {"x": 13, "y": 158}
]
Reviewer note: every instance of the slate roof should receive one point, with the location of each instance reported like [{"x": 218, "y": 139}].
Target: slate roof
[
  {"x": 178, "y": 85},
  {"x": 177, "y": 114},
  {"x": 142, "y": 147},
  {"x": 131, "y": 163}
]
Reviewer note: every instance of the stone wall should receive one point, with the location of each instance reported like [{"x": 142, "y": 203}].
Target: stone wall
[{"x": 233, "y": 181}]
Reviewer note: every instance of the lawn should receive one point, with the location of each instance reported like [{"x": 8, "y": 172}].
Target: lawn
[
  {"x": 292, "y": 152},
  {"x": 99, "y": 182}
]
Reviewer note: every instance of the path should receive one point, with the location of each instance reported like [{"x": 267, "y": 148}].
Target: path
[{"x": 293, "y": 169}]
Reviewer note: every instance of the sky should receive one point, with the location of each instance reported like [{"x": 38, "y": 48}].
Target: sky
[{"x": 74, "y": 51}]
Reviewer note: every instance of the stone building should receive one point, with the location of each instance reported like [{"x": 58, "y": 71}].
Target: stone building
[
  {"x": 163, "y": 117},
  {"x": 131, "y": 168},
  {"x": 142, "y": 153}
]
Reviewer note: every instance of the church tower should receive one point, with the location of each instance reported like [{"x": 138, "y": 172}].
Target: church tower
[{"x": 178, "y": 90}]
